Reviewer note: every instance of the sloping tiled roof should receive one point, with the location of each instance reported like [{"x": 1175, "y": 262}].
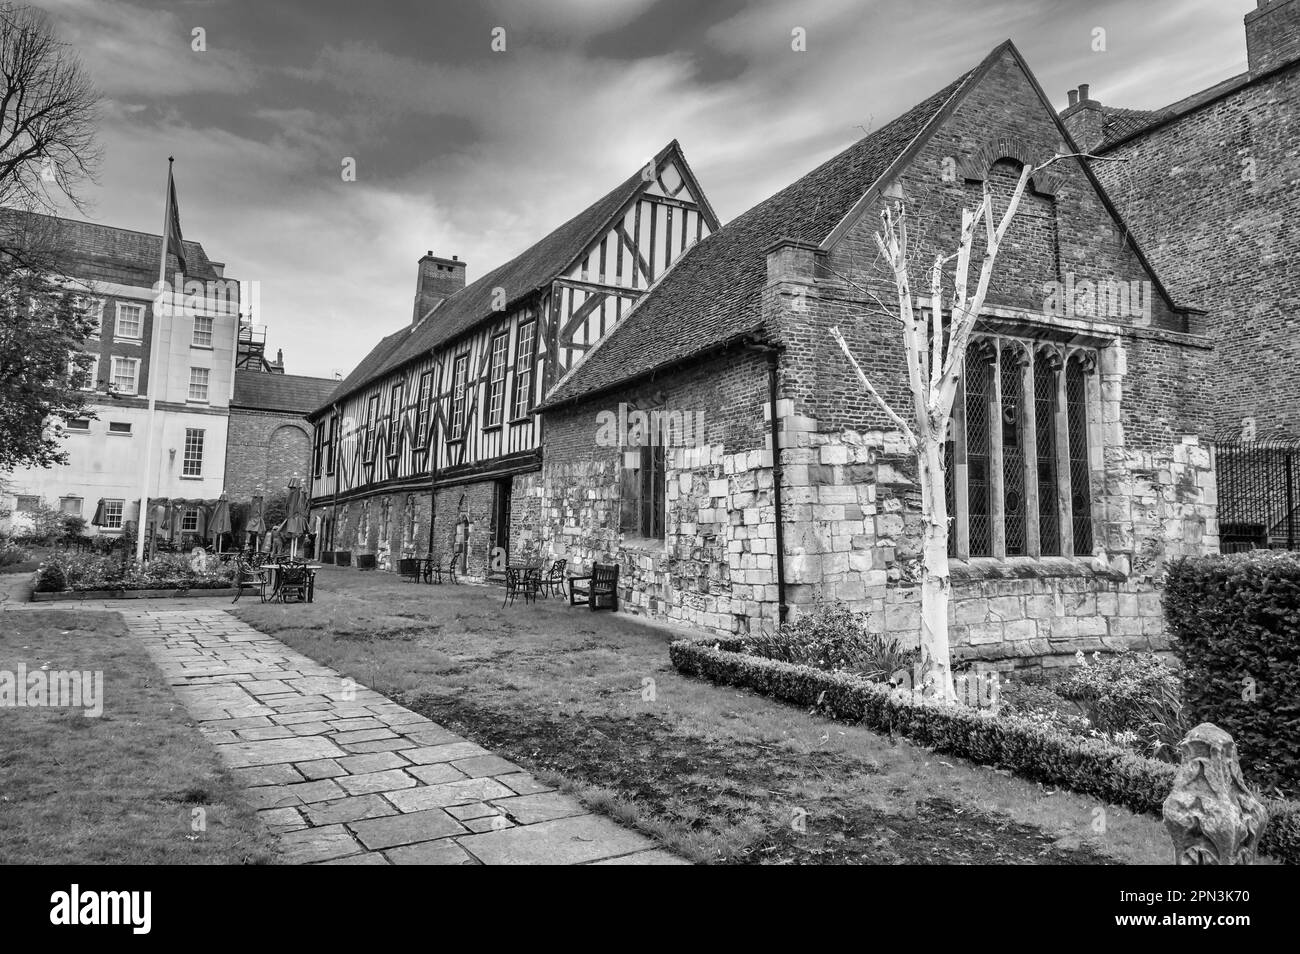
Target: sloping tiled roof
[
  {"x": 1118, "y": 122},
  {"x": 293, "y": 393},
  {"x": 534, "y": 268},
  {"x": 104, "y": 253},
  {"x": 711, "y": 296},
  {"x": 1122, "y": 123}
]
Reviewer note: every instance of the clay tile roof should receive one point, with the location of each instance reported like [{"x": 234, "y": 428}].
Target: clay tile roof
[
  {"x": 711, "y": 296},
  {"x": 534, "y": 268},
  {"x": 292, "y": 393}
]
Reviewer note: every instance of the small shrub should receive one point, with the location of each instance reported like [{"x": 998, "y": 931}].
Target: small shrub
[
  {"x": 11, "y": 553},
  {"x": 1236, "y": 625},
  {"x": 1133, "y": 698},
  {"x": 833, "y": 638}
]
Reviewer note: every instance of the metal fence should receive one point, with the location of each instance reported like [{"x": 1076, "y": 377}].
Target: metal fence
[{"x": 1259, "y": 494}]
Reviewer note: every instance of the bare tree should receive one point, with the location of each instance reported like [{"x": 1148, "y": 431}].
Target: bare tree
[
  {"x": 934, "y": 357},
  {"x": 48, "y": 114}
]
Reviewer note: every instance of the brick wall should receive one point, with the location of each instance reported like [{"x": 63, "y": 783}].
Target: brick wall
[
  {"x": 264, "y": 449},
  {"x": 470, "y": 506},
  {"x": 1212, "y": 197}
]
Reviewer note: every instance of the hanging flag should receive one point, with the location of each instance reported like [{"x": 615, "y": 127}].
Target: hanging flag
[{"x": 175, "y": 243}]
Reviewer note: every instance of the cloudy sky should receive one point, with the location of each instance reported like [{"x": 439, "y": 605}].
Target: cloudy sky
[{"x": 477, "y": 153}]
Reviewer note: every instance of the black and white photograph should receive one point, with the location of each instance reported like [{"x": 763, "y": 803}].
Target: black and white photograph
[{"x": 651, "y": 432}]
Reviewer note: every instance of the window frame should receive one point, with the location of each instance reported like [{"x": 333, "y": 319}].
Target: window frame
[
  {"x": 498, "y": 369},
  {"x": 459, "y": 401},
  {"x": 114, "y": 508},
  {"x": 396, "y": 399},
  {"x": 206, "y": 384},
  {"x": 525, "y": 365},
  {"x": 118, "y": 333},
  {"x": 652, "y": 492},
  {"x": 330, "y": 452},
  {"x": 423, "y": 411},
  {"x": 188, "y": 459},
  {"x": 369, "y": 444},
  {"x": 96, "y": 311},
  {"x": 211, "y": 327},
  {"x": 135, "y": 375},
  {"x": 81, "y": 506},
  {"x": 90, "y": 371},
  {"x": 1040, "y": 460}
]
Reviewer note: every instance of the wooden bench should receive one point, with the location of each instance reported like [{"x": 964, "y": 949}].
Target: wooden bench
[{"x": 598, "y": 589}]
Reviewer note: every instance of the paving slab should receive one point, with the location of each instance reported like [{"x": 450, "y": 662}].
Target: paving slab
[
  {"x": 566, "y": 841},
  {"x": 342, "y": 775},
  {"x": 405, "y": 829}
]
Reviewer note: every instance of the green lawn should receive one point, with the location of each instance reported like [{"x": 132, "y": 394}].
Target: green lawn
[
  {"x": 716, "y": 773},
  {"x": 121, "y": 788}
]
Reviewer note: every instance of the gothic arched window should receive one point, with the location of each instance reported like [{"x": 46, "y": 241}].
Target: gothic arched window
[{"x": 1018, "y": 481}]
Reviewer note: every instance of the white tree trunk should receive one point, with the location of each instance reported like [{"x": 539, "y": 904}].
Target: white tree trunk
[{"x": 935, "y": 584}]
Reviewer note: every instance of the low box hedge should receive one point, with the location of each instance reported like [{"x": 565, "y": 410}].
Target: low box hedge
[
  {"x": 1086, "y": 766},
  {"x": 1236, "y": 623}
]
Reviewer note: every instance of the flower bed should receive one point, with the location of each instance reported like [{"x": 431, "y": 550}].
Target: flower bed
[
  {"x": 1030, "y": 749},
  {"x": 84, "y": 575}
]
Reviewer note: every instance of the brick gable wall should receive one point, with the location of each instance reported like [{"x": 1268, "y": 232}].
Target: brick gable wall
[{"x": 1227, "y": 241}]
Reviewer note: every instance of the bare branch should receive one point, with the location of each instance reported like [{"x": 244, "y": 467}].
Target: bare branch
[{"x": 901, "y": 424}]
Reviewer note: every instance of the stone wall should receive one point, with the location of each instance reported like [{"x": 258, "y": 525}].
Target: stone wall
[
  {"x": 715, "y": 567},
  {"x": 853, "y": 535}
]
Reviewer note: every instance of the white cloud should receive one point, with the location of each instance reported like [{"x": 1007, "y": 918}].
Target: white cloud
[{"x": 132, "y": 51}]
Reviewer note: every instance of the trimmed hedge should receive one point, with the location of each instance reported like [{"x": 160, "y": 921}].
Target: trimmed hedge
[
  {"x": 1236, "y": 625},
  {"x": 1087, "y": 766}
]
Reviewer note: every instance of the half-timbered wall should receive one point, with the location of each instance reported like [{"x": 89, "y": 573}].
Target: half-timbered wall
[{"x": 468, "y": 416}]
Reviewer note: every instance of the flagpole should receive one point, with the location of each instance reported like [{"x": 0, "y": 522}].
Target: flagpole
[{"x": 153, "y": 365}]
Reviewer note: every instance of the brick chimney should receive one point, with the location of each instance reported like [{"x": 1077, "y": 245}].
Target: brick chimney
[
  {"x": 1272, "y": 35},
  {"x": 1083, "y": 117},
  {"x": 438, "y": 280}
]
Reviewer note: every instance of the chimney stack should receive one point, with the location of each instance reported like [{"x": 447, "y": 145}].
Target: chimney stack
[
  {"x": 438, "y": 279},
  {"x": 1084, "y": 118},
  {"x": 1272, "y": 35}
]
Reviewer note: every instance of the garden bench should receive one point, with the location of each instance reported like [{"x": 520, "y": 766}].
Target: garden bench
[{"x": 599, "y": 586}]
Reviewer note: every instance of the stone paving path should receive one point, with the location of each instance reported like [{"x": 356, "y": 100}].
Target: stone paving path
[{"x": 343, "y": 775}]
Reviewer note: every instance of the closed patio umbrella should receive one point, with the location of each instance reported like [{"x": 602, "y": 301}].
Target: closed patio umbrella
[
  {"x": 256, "y": 519},
  {"x": 98, "y": 519},
  {"x": 219, "y": 524},
  {"x": 295, "y": 521}
]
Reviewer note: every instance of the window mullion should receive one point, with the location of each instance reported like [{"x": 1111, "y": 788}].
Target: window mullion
[
  {"x": 997, "y": 488},
  {"x": 1033, "y": 542},
  {"x": 1063, "y": 464},
  {"x": 961, "y": 473}
]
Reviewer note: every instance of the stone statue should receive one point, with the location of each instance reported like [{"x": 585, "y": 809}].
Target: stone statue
[{"x": 1211, "y": 815}]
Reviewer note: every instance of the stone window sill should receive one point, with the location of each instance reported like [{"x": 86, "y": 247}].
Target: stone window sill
[
  {"x": 643, "y": 544},
  {"x": 1028, "y": 568}
]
